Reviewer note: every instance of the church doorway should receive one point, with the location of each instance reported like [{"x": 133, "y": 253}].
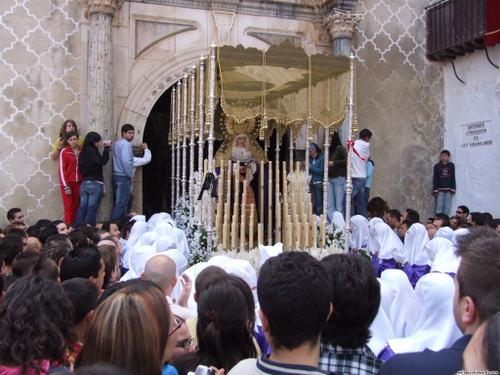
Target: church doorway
[{"x": 157, "y": 186}]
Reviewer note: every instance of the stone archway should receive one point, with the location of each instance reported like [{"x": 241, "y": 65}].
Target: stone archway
[
  {"x": 152, "y": 85},
  {"x": 140, "y": 103}
]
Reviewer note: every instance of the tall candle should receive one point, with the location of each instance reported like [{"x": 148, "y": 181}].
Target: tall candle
[
  {"x": 278, "y": 222},
  {"x": 285, "y": 184},
  {"x": 260, "y": 233},
  {"x": 277, "y": 179},
  {"x": 219, "y": 217},
  {"x": 270, "y": 207},
  {"x": 305, "y": 231},
  {"x": 225, "y": 234},
  {"x": 289, "y": 233},
  {"x": 242, "y": 232},
  {"x": 237, "y": 191},
  {"x": 262, "y": 185},
  {"x": 205, "y": 167},
  {"x": 229, "y": 178},
  {"x": 251, "y": 229},
  {"x": 297, "y": 233},
  {"x": 233, "y": 234}
]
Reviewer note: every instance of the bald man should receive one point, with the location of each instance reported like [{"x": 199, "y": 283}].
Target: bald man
[
  {"x": 162, "y": 270},
  {"x": 34, "y": 245}
]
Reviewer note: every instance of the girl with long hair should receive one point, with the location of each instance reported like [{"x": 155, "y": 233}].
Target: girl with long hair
[
  {"x": 317, "y": 171},
  {"x": 67, "y": 126},
  {"x": 337, "y": 162},
  {"x": 70, "y": 177},
  {"x": 91, "y": 191},
  {"x": 133, "y": 329}
]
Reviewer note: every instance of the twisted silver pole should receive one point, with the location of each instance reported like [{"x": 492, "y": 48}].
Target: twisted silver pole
[
  {"x": 173, "y": 137},
  {"x": 192, "y": 144},
  {"x": 277, "y": 146},
  {"x": 326, "y": 152},
  {"x": 184, "y": 135},
  {"x": 308, "y": 145},
  {"x": 201, "y": 123},
  {"x": 179, "y": 132},
  {"x": 210, "y": 140},
  {"x": 348, "y": 185}
]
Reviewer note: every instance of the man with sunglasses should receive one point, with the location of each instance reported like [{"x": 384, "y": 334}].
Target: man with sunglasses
[{"x": 463, "y": 212}]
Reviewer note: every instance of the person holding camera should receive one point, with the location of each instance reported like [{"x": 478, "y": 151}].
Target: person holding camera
[
  {"x": 67, "y": 126},
  {"x": 92, "y": 189}
]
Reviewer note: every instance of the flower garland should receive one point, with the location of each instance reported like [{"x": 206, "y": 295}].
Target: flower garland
[{"x": 196, "y": 235}]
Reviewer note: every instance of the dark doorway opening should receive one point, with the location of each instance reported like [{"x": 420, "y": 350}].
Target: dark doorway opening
[{"x": 156, "y": 187}]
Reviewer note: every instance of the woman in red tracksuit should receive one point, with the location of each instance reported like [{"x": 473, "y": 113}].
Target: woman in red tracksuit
[{"x": 70, "y": 177}]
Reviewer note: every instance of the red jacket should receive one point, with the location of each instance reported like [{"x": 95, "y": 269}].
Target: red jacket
[{"x": 69, "y": 171}]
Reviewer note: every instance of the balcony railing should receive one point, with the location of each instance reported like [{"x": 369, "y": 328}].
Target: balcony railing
[{"x": 455, "y": 27}]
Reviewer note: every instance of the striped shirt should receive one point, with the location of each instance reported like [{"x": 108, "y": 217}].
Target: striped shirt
[{"x": 264, "y": 366}]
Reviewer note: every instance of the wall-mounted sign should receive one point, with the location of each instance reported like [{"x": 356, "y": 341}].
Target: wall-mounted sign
[{"x": 476, "y": 135}]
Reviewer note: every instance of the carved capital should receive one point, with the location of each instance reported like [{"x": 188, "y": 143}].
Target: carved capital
[
  {"x": 102, "y": 6},
  {"x": 341, "y": 23},
  {"x": 323, "y": 35}
]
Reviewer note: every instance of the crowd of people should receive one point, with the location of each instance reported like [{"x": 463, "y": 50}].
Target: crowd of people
[{"x": 120, "y": 298}]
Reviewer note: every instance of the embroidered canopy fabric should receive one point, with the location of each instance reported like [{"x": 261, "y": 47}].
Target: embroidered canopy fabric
[{"x": 283, "y": 86}]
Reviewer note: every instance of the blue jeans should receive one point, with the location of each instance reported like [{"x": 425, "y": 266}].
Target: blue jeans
[
  {"x": 122, "y": 186},
  {"x": 443, "y": 203},
  {"x": 90, "y": 198},
  {"x": 317, "y": 198},
  {"x": 336, "y": 193},
  {"x": 367, "y": 196},
  {"x": 358, "y": 197}
]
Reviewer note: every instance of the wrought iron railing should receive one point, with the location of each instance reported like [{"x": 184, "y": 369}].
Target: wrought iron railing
[{"x": 455, "y": 27}]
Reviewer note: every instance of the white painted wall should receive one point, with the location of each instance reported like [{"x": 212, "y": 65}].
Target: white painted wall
[{"x": 476, "y": 101}]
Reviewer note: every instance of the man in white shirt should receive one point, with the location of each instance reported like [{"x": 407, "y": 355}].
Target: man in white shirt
[{"x": 360, "y": 155}]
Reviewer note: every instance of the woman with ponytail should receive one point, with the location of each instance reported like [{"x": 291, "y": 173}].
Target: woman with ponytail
[{"x": 226, "y": 318}]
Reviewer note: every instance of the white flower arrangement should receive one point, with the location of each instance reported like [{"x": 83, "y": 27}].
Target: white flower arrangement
[
  {"x": 196, "y": 235},
  {"x": 334, "y": 237}
]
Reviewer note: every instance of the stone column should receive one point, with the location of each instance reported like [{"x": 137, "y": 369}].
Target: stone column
[
  {"x": 100, "y": 85},
  {"x": 340, "y": 24}
]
